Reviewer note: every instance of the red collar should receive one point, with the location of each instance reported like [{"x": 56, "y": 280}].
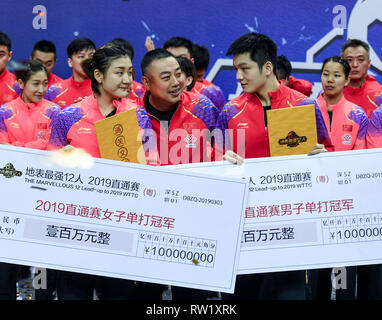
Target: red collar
[{"x": 79, "y": 84}]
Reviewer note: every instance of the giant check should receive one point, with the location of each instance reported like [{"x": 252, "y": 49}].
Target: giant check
[
  {"x": 121, "y": 220},
  {"x": 309, "y": 212}
]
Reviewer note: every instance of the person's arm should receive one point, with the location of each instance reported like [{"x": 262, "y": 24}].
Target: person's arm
[
  {"x": 4, "y": 114},
  {"x": 374, "y": 130},
  {"x": 359, "y": 116},
  {"x": 61, "y": 124},
  {"x": 322, "y": 133}
]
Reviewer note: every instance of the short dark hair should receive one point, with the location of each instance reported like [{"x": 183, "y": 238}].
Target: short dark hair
[
  {"x": 101, "y": 60},
  {"x": 124, "y": 44},
  {"x": 284, "y": 67},
  {"x": 78, "y": 45},
  {"x": 201, "y": 57},
  {"x": 339, "y": 60},
  {"x": 355, "y": 43},
  {"x": 44, "y": 46},
  {"x": 5, "y": 40},
  {"x": 28, "y": 69},
  {"x": 177, "y": 42},
  {"x": 260, "y": 47},
  {"x": 189, "y": 69},
  {"x": 153, "y": 55}
]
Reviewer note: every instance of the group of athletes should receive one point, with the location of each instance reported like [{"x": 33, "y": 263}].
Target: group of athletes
[{"x": 173, "y": 101}]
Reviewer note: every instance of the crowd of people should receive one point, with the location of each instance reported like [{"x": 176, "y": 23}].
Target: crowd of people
[{"x": 177, "y": 111}]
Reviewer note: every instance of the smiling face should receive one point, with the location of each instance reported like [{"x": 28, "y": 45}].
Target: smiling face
[
  {"x": 34, "y": 88},
  {"x": 118, "y": 78},
  {"x": 359, "y": 61},
  {"x": 251, "y": 78},
  {"x": 165, "y": 82},
  {"x": 333, "y": 79}
]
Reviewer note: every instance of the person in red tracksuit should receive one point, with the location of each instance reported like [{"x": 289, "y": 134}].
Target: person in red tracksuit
[
  {"x": 181, "y": 122},
  {"x": 284, "y": 70},
  {"x": 111, "y": 72},
  {"x": 78, "y": 86},
  {"x": 362, "y": 88},
  {"x": 7, "y": 79},
  {"x": 26, "y": 121},
  {"x": 255, "y": 59},
  {"x": 364, "y": 91},
  {"x": 347, "y": 124}
]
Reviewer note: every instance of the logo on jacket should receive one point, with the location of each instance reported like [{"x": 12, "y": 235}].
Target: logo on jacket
[
  {"x": 190, "y": 141},
  {"x": 292, "y": 140},
  {"x": 84, "y": 130},
  {"x": 9, "y": 171},
  {"x": 14, "y": 125},
  {"x": 347, "y": 139},
  {"x": 41, "y": 134},
  {"x": 243, "y": 125}
]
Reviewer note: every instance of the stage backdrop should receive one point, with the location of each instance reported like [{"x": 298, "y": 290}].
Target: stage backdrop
[{"x": 306, "y": 32}]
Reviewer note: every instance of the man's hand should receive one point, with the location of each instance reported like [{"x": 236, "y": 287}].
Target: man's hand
[
  {"x": 149, "y": 44},
  {"x": 318, "y": 148},
  {"x": 233, "y": 157}
]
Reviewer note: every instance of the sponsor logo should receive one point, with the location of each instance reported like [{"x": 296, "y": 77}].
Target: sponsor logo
[
  {"x": 41, "y": 134},
  {"x": 84, "y": 130},
  {"x": 243, "y": 125},
  {"x": 9, "y": 171},
  {"x": 190, "y": 141},
  {"x": 347, "y": 139},
  {"x": 293, "y": 140}
]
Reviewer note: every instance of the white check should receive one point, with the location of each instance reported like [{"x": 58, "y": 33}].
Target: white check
[
  {"x": 121, "y": 220},
  {"x": 309, "y": 212}
]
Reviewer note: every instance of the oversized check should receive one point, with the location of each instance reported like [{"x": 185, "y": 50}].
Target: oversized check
[
  {"x": 121, "y": 220},
  {"x": 307, "y": 212}
]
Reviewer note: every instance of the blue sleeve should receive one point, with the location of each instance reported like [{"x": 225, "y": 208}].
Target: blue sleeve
[
  {"x": 322, "y": 132},
  {"x": 61, "y": 124}
]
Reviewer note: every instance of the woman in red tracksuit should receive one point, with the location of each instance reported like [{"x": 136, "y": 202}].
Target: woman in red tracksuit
[
  {"x": 346, "y": 122},
  {"x": 347, "y": 126},
  {"x": 111, "y": 73},
  {"x": 26, "y": 121}
]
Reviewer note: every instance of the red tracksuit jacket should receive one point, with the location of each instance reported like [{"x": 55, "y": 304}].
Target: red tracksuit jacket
[
  {"x": 246, "y": 112},
  {"x": 364, "y": 96},
  {"x": 7, "y": 92},
  {"x": 300, "y": 85},
  {"x": 72, "y": 91},
  {"x": 27, "y": 124},
  {"x": 187, "y": 138},
  {"x": 349, "y": 125}
]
